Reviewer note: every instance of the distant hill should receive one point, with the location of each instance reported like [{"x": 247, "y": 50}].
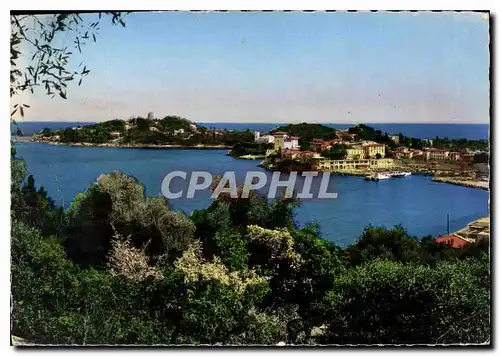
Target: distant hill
[
  {"x": 171, "y": 130},
  {"x": 308, "y": 132}
]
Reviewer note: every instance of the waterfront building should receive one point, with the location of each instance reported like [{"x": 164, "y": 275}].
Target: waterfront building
[
  {"x": 265, "y": 139},
  {"x": 403, "y": 152},
  {"x": 365, "y": 151},
  {"x": 372, "y": 150},
  {"x": 436, "y": 154},
  {"x": 256, "y": 136},
  {"x": 355, "y": 152},
  {"x": 354, "y": 165}
]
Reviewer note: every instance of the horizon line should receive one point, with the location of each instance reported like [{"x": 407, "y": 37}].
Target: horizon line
[{"x": 286, "y": 122}]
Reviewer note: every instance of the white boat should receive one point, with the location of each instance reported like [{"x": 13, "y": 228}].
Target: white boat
[
  {"x": 378, "y": 176},
  {"x": 381, "y": 176},
  {"x": 400, "y": 174}
]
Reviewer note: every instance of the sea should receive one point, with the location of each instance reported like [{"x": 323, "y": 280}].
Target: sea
[
  {"x": 429, "y": 131},
  {"x": 421, "y": 206}
]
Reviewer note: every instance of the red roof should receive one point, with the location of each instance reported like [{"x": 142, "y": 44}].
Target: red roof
[{"x": 452, "y": 240}]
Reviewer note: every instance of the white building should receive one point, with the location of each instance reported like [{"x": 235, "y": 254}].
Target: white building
[
  {"x": 282, "y": 141},
  {"x": 265, "y": 139},
  {"x": 291, "y": 142}
]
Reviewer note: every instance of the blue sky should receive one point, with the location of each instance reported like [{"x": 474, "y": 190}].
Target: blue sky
[{"x": 283, "y": 67}]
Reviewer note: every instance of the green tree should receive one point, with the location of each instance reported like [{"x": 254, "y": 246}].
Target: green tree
[
  {"x": 337, "y": 151},
  {"x": 391, "y": 302}
]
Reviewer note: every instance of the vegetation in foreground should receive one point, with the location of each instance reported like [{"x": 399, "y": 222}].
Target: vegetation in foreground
[{"x": 119, "y": 267}]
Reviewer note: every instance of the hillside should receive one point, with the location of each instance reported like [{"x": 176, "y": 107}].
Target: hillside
[
  {"x": 171, "y": 130},
  {"x": 308, "y": 132}
]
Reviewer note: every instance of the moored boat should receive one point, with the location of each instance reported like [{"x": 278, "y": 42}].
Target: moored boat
[
  {"x": 400, "y": 174},
  {"x": 378, "y": 176}
]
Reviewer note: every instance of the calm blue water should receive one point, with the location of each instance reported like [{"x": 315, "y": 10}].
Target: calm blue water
[
  {"x": 417, "y": 203},
  {"x": 469, "y": 131}
]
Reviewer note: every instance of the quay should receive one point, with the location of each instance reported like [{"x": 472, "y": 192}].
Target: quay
[{"x": 463, "y": 182}]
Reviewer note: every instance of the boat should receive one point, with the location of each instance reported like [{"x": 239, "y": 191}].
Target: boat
[
  {"x": 378, "y": 176},
  {"x": 400, "y": 174}
]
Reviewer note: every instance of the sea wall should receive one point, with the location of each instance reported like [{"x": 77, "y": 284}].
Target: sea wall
[{"x": 466, "y": 183}]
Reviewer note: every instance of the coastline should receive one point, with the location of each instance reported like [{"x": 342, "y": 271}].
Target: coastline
[
  {"x": 251, "y": 157},
  {"x": 448, "y": 180},
  {"x": 112, "y": 145}
]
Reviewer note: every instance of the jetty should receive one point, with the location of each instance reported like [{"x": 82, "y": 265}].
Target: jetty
[{"x": 484, "y": 185}]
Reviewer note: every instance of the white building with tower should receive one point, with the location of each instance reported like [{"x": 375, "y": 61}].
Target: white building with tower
[{"x": 283, "y": 141}]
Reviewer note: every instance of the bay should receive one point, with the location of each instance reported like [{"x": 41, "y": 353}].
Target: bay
[{"x": 417, "y": 203}]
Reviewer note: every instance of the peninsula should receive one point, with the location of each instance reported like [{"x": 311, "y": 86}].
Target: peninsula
[
  {"x": 150, "y": 132},
  {"x": 364, "y": 151},
  {"x": 358, "y": 150}
]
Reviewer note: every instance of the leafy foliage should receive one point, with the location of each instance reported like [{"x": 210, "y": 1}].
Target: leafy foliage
[
  {"x": 39, "y": 36},
  {"x": 126, "y": 269},
  {"x": 307, "y": 132},
  {"x": 337, "y": 151},
  {"x": 391, "y": 302},
  {"x": 250, "y": 148}
]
